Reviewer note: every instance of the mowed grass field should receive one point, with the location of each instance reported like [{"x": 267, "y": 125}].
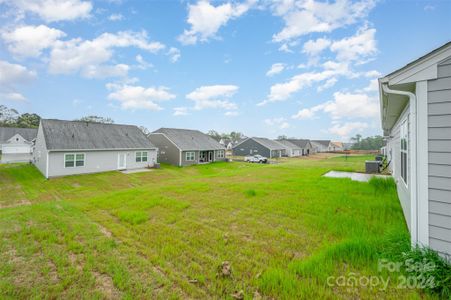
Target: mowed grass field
[{"x": 165, "y": 234}]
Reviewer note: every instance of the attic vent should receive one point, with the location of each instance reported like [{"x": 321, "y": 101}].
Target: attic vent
[{"x": 73, "y": 135}]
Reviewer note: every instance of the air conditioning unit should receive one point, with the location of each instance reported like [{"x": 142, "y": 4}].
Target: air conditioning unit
[{"x": 372, "y": 166}]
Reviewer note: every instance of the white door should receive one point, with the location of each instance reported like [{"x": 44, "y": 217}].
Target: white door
[{"x": 122, "y": 161}]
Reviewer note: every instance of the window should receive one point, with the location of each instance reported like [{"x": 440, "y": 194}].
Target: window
[
  {"x": 141, "y": 156},
  {"x": 404, "y": 150},
  {"x": 72, "y": 160},
  {"x": 189, "y": 156},
  {"x": 221, "y": 154}
]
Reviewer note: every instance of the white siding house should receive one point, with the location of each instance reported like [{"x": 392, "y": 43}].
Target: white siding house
[
  {"x": 16, "y": 144},
  {"x": 416, "y": 119},
  {"x": 76, "y": 147}
]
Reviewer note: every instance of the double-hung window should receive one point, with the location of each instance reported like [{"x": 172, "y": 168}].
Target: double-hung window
[
  {"x": 189, "y": 156},
  {"x": 221, "y": 154},
  {"x": 72, "y": 160},
  {"x": 404, "y": 134},
  {"x": 141, "y": 156}
]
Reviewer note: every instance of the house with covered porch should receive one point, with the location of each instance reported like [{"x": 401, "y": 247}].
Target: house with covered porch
[{"x": 183, "y": 147}]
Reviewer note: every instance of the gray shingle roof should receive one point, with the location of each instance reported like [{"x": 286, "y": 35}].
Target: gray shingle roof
[
  {"x": 288, "y": 144},
  {"x": 78, "y": 135},
  {"x": 270, "y": 144},
  {"x": 187, "y": 139},
  {"x": 299, "y": 142},
  {"x": 8, "y": 132},
  {"x": 322, "y": 142}
]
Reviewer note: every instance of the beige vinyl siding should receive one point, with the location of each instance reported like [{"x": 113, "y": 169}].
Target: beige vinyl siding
[{"x": 439, "y": 143}]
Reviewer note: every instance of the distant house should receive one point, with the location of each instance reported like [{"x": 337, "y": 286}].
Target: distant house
[
  {"x": 347, "y": 146},
  {"x": 415, "y": 110},
  {"x": 256, "y": 145},
  {"x": 16, "y": 144},
  {"x": 182, "y": 147},
  {"x": 321, "y": 145},
  {"x": 76, "y": 147},
  {"x": 336, "y": 146},
  {"x": 296, "y": 147}
]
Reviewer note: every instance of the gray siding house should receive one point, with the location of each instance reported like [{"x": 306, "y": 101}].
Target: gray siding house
[
  {"x": 76, "y": 147},
  {"x": 416, "y": 119},
  {"x": 256, "y": 145},
  {"x": 16, "y": 144},
  {"x": 321, "y": 145},
  {"x": 183, "y": 147},
  {"x": 296, "y": 147}
]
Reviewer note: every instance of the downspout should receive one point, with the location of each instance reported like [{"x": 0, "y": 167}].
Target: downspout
[{"x": 413, "y": 158}]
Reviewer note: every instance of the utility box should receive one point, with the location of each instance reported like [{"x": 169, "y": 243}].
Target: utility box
[{"x": 372, "y": 166}]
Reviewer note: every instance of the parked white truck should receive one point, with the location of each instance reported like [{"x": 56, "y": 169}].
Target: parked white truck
[{"x": 256, "y": 159}]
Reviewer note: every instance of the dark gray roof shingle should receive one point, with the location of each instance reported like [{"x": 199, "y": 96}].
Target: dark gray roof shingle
[
  {"x": 270, "y": 144},
  {"x": 8, "y": 132},
  {"x": 301, "y": 143},
  {"x": 322, "y": 142},
  {"x": 288, "y": 144},
  {"x": 78, "y": 135},
  {"x": 187, "y": 139}
]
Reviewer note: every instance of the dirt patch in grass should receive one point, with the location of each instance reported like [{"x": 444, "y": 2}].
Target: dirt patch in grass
[
  {"x": 105, "y": 231},
  {"x": 104, "y": 284},
  {"x": 22, "y": 202}
]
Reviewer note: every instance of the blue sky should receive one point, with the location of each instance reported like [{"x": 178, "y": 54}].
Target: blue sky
[{"x": 301, "y": 68}]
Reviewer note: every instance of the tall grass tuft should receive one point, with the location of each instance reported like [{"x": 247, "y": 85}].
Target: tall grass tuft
[
  {"x": 440, "y": 270},
  {"x": 383, "y": 185},
  {"x": 250, "y": 193}
]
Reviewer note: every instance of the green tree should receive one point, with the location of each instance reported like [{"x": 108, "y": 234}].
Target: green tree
[
  {"x": 8, "y": 116},
  {"x": 28, "y": 120},
  {"x": 97, "y": 119}
]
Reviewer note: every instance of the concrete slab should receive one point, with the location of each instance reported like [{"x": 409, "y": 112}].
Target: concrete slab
[
  {"x": 362, "y": 177},
  {"x": 135, "y": 171}
]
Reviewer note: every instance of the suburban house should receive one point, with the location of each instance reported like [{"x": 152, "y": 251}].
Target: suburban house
[
  {"x": 321, "y": 145},
  {"x": 76, "y": 147},
  {"x": 416, "y": 119},
  {"x": 182, "y": 147},
  {"x": 257, "y": 145},
  {"x": 336, "y": 146},
  {"x": 16, "y": 144},
  {"x": 290, "y": 149},
  {"x": 296, "y": 147},
  {"x": 227, "y": 143}
]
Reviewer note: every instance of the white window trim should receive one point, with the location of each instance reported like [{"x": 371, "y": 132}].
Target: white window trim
[
  {"x": 189, "y": 152},
  {"x": 141, "y": 152},
  {"x": 221, "y": 154},
  {"x": 75, "y": 160},
  {"x": 404, "y": 126}
]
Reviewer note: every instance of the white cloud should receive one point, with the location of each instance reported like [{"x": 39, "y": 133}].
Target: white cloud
[
  {"x": 352, "y": 106},
  {"x": 103, "y": 71},
  {"x": 205, "y": 19},
  {"x": 78, "y": 55},
  {"x": 12, "y": 74},
  {"x": 315, "y": 47},
  {"x": 142, "y": 64},
  {"x": 344, "y": 105},
  {"x": 372, "y": 87},
  {"x": 328, "y": 84},
  {"x": 356, "y": 47},
  {"x": 138, "y": 97},
  {"x": 344, "y": 130},
  {"x": 30, "y": 41},
  {"x": 282, "y": 91},
  {"x": 174, "y": 54},
  {"x": 275, "y": 69},
  {"x": 12, "y": 96},
  {"x": 280, "y": 123},
  {"x": 231, "y": 113},
  {"x": 180, "y": 111},
  {"x": 304, "y": 17},
  {"x": 116, "y": 17},
  {"x": 53, "y": 10},
  {"x": 213, "y": 96}
]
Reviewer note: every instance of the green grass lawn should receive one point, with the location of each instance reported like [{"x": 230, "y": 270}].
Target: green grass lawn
[{"x": 283, "y": 229}]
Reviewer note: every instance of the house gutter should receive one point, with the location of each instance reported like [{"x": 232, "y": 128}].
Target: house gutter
[{"x": 413, "y": 186}]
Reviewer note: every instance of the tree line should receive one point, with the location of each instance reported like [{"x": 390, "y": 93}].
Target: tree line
[
  {"x": 369, "y": 143},
  {"x": 233, "y": 136}
]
